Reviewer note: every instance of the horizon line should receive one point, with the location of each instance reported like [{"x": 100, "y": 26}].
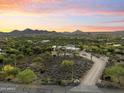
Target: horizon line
[{"x": 63, "y": 31}]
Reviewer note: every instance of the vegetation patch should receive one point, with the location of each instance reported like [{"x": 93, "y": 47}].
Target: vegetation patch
[{"x": 113, "y": 76}]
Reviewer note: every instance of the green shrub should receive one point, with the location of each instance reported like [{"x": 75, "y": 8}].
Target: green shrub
[
  {"x": 14, "y": 71},
  {"x": 26, "y": 76},
  {"x": 8, "y": 60},
  {"x": 2, "y": 76},
  {"x": 1, "y": 58},
  {"x": 9, "y": 72},
  {"x": 8, "y": 68},
  {"x": 19, "y": 57},
  {"x": 38, "y": 59},
  {"x": 115, "y": 72},
  {"x": 67, "y": 64},
  {"x": 46, "y": 80},
  {"x": 66, "y": 82}
]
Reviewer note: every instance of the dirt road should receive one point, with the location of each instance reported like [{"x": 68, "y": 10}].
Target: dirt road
[{"x": 95, "y": 72}]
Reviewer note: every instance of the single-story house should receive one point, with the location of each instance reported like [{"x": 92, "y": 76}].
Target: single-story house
[
  {"x": 116, "y": 45},
  {"x": 45, "y": 41},
  {"x": 67, "y": 47}
]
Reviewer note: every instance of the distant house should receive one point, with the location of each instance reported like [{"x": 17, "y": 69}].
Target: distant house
[
  {"x": 29, "y": 41},
  {"x": 0, "y": 51},
  {"x": 72, "y": 48},
  {"x": 45, "y": 41},
  {"x": 67, "y": 47},
  {"x": 122, "y": 38},
  {"x": 116, "y": 45},
  {"x": 68, "y": 50},
  {"x": 109, "y": 43}
]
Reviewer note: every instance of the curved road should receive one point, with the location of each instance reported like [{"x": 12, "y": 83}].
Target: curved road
[
  {"x": 95, "y": 72},
  {"x": 93, "y": 75}
]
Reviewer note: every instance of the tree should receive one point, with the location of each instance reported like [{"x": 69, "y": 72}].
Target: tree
[
  {"x": 68, "y": 66},
  {"x": 12, "y": 51},
  {"x": 13, "y": 56},
  {"x": 38, "y": 64},
  {"x": 8, "y": 60},
  {"x": 116, "y": 71},
  {"x": 27, "y": 76},
  {"x": 37, "y": 50},
  {"x": 19, "y": 57}
]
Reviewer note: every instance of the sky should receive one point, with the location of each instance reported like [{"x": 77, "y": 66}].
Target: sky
[{"x": 62, "y": 15}]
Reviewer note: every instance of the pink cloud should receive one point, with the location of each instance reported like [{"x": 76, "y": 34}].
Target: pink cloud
[
  {"x": 104, "y": 28},
  {"x": 114, "y": 21},
  {"x": 54, "y": 6},
  {"x": 89, "y": 28}
]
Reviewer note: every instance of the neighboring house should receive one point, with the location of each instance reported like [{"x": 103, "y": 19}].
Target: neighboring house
[
  {"x": 68, "y": 47},
  {"x": 45, "y": 41},
  {"x": 116, "y": 45},
  {"x": 109, "y": 43},
  {"x": 72, "y": 48},
  {"x": 54, "y": 53},
  {"x": 0, "y": 51},
  {"x": 122, "y": 38},
  {"x": 29, "y": 41}
]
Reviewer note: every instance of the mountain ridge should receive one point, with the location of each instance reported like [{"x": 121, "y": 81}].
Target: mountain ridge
[{"x": 31, "y": 32}]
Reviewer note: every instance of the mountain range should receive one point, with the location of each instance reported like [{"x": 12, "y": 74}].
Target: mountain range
[{"x": 30, "y": 32}]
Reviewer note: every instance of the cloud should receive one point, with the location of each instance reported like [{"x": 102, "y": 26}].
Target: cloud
[
  {"x": 104, "y": 28},
  {"x": 66, "y": 15},
  {"x": 114, "y": 21},
  {"x": 89, "y": 28},
  {"x": 64, "y": 7}
]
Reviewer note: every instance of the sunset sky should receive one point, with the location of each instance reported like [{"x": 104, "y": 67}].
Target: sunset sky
[{"x": 62, "y": 15}]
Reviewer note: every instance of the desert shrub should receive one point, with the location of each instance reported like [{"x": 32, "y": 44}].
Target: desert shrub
[
  {"x": 115, "y": 72},
  {"x": 1, "y": 58},
  {"x": 8, "y": 60},
  {"x": 8, "y": 68},
  {"x": 38, "y": 59},
  {"x": 65, "y": 82},
  {"x": 14, "y": 71},
  {"x": 67, "y": 64},
  {"x": 9, "y": 72},
  {"x": 46, "y": 80},
  {"x": 20, "y": 56},
  {"x": 26, "y": 76}
]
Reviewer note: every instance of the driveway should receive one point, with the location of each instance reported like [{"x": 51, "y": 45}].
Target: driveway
[{"x": 96, "y": 71}]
